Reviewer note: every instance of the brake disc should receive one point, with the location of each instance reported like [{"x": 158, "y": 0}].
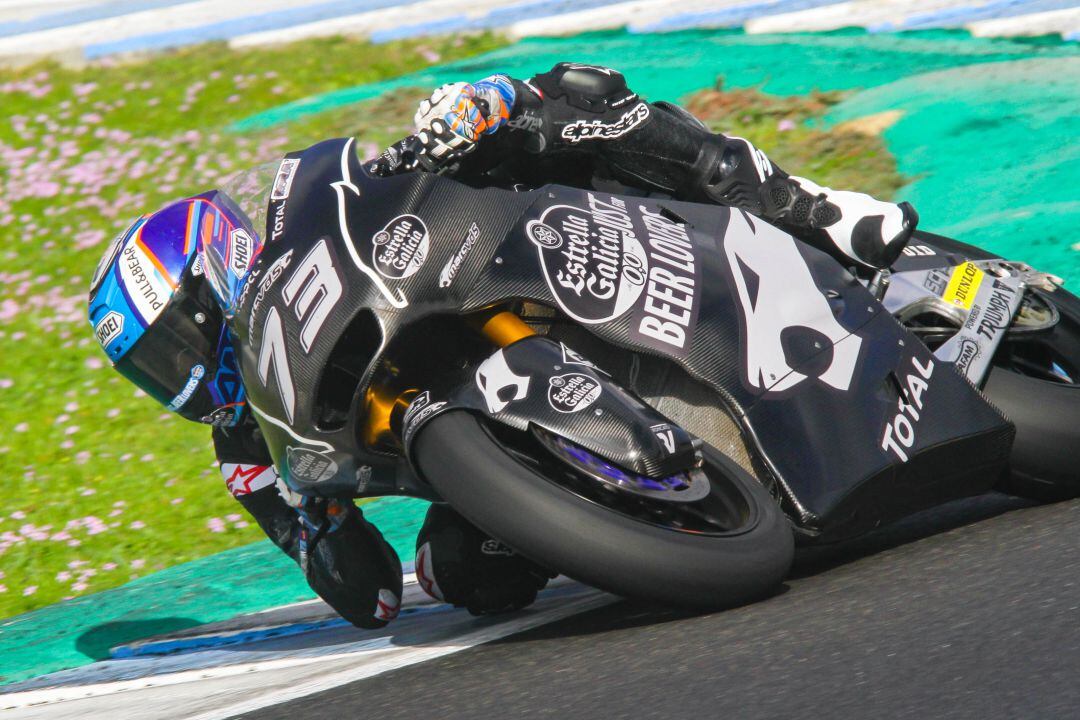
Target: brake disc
[{"x": 685, "y": 487}]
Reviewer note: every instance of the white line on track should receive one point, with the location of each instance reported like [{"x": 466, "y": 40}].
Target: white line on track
[
  {"x": 412, "y": 656},
  {"x": 222, "y": 683},
  {"x": 363, "y": 24}
]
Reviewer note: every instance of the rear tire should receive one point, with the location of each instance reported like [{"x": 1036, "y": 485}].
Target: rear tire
[
  {"x": 502, "y": 492},
  {"x": 1043, "y": 404},
  {"x": 1045, "y": 461}
]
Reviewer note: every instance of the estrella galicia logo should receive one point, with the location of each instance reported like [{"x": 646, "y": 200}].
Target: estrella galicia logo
[
  {"x": 401, "y": 247},
  {"x": 591, "y": 258},
  {"x": 572, "y": 392},
  {"x": 309, "y": 466}
]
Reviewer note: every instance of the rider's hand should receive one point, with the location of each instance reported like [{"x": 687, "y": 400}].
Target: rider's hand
[{"x": 448, "y": 126}]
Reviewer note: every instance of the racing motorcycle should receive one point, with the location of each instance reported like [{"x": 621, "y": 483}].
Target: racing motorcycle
[{"x": 650, "y": 396}]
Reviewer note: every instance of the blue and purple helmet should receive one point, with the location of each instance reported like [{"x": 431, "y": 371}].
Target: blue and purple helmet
[{"x": 156, "y": 305}]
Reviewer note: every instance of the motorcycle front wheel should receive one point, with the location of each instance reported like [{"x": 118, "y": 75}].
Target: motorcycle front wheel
[{"x": 730, "y": 546}]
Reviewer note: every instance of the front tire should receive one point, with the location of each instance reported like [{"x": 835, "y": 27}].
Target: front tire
[{"x": 480, "y": 469}]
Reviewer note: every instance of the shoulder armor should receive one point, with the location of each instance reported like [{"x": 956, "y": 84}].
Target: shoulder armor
[{"x": 586, "y": 87}]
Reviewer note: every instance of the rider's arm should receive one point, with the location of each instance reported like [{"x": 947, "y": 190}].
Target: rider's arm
[
  {"x": 344, "y": 557},
  {"x": 569, "y": 120},
  {"x": 580, "y": 120},
  {"x": 250, "y": 477}
]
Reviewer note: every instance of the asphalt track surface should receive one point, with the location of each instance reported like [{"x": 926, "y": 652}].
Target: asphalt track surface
[{"x": 968, "y": 611}]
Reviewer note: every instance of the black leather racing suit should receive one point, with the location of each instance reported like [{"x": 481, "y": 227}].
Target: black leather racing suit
[{"x": 580, "y": 124}]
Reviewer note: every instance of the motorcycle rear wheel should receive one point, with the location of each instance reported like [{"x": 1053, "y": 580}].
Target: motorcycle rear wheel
[
  {"x": 1044, "y": 457},
  {"x": 1045, "y": 409},
  {"x": 1036, "y": 382},
  {"x": 513, "y": 489}
]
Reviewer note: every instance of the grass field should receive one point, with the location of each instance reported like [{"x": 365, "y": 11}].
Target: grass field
[{"x": 102, "y": 485}]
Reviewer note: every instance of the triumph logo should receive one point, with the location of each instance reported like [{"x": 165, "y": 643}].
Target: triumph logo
[
  {"x": 598, "y": 130},
  {"x": 998, "y": 311}
]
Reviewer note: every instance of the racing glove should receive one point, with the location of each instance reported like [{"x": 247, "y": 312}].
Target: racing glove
[
  {"x": 458, "y": 563},
  {"x": 448, "y": 126},
  {"x": 346, "y": 560}
]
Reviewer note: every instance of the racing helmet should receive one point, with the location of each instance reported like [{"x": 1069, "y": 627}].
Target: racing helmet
[{"x": 157, "y": 313}]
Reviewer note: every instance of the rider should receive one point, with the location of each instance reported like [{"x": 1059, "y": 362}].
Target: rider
[
  {"x": 576, "y": 124},
  {"x": 581, "y": 123}
]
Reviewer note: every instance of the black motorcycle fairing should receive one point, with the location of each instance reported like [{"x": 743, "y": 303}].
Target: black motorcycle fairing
[
  {"x": 791, "y": 342},
  {"x": 926, "y": 251},
  {"x": 916, "y": 427},
  {"x": 348, "y": 261},
  {"x": 800, "y": 354},
  {"x": 539, "y": 382}
]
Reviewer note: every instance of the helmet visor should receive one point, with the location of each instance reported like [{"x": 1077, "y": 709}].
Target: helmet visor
[{"x": 174, "y": 359}]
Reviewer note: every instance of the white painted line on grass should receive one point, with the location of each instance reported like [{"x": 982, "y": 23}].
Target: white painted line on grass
[{"x": 857, "y": 13}]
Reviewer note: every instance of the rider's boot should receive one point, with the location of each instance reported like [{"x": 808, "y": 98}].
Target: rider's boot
[{"x": 853, "y": 227}]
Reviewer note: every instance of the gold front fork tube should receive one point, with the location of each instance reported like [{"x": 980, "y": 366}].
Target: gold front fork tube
[
  {"x": 385, "y": 410},
  {"x": 505, "y": 328}
]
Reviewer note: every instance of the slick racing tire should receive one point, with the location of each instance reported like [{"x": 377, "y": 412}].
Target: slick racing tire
[
  {"x": 1044, "y": 463},
  {"x": 1035, "y": 381},
  {"x": 733, "y": 547}
]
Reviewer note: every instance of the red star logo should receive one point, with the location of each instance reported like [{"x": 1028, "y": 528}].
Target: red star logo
[{"x": 239, "y": 483}]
